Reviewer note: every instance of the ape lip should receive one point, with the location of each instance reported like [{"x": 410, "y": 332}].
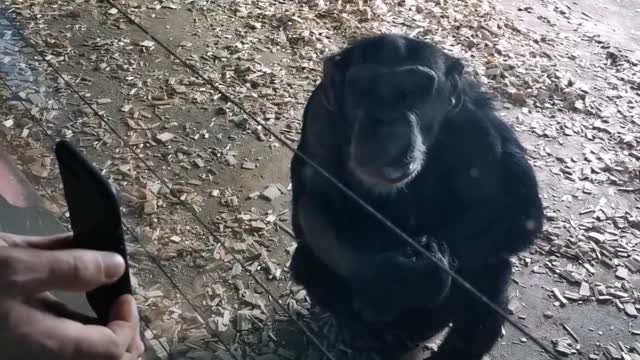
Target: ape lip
[{"x": 377, "y": 173}]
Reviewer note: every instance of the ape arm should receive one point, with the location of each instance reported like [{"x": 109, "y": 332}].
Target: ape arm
[
  {"x": 314, "y": 215},
  {"x": 323, "y": 239},
  {"x": 312, "y": 191},
  {"x": 329, "y": 237},
  {"x": 505, "y": 211},
  {"x": 383, "y": 284}
]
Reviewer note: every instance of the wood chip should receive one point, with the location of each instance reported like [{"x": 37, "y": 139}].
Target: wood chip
[
  {"x": 548, "y": 314},
  {"x": 584, "y": 289},
  {"x": 271, "y": 193},
  {"x": 165, "y": 137},
  {"x": 630, "y": 309},
  {"x": 150, "y": 207},
  {"x": 231, "y": 160},
  {"x": 611, "y": 353},
  {"x": 633, "y": 263},
  {"x": 589, "y": 268},
  {"x": 564, "y": 346},
  {"x": 247, "y": 165},
  {"x": 154, "y": 293},
  {"x": 258, "y": 225},
  {"x": 559, "y": 296},
  {"x": 570, "y": 295},
  {"x": 571, "y": 333},
  {"x": 243, "y": 320},
  {"x": 622, "y": 273},
  {"x": 179, "y": 89},
  {"x": 199, "y": 163}
]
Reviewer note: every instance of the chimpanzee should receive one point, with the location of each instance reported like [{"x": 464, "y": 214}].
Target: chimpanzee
[{"x": 397, "y": 122}]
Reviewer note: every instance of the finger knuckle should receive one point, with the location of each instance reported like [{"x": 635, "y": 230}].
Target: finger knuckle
[
  {"x": 4, "y": 257},
  {"x": 63, "y": 266},
  {"x": 55, "y": 348},
  {"x": 68, "y": 349},
  {"x": 112, "y": 355},
  {"x": 10, "y": 315},
  {"x": 11, "y": 270},
  {"x": 112, "y": 350},
  {"x": 81, "y": 266},
  {"x": 77, "y": 348}
]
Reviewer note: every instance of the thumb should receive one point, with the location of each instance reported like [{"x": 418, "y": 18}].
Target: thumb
[{"x": 124, "y": 321}]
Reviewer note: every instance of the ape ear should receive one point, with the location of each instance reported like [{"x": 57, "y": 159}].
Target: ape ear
[
  {"x": 330, "y": 81},
  {"x": 453, "y": 72}
]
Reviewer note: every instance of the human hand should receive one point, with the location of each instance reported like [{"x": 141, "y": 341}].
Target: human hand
[{"x": 35, "y": 325}]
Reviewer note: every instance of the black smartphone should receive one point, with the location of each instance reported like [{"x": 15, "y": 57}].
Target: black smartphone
[{"x": 96, "y": 220}]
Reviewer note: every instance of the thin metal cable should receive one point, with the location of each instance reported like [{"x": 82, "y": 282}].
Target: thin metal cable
[
  {"x": 220, "y": 241},
  {"x": 131, "y": 232},
  {"x": 367, "y": 207},
  {"x": 337, "y": 183}
]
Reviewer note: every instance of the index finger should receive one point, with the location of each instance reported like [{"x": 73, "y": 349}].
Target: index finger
[
  {"x": 57, "y": 241},
  {"x": 28, "y": 271}
]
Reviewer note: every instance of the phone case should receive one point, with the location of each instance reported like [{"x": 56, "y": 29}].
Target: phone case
[{"x": 96, "y": 221}]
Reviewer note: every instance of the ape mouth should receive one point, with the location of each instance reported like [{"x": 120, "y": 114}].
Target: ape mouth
[{"x": 391, "y": 175}]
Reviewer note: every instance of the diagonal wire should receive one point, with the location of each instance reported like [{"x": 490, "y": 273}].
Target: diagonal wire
[
  {"x": 131, "y": 232},
  {"x": 367, "y": 207},
  {"x": 336, "y": 182},
  {"x": 219, "y": 241}
]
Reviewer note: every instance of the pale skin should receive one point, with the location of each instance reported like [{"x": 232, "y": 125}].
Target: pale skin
[{"x": 35, "y": 325}]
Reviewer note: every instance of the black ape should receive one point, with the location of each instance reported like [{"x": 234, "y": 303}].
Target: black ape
[{"x": 395, "y": 120}]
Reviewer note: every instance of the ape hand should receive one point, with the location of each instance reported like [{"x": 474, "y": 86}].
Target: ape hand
[
  {"x": 393, "y": 282},
  {"x": 35, "y": 325}
]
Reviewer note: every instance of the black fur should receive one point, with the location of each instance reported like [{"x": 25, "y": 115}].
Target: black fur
[{"x": 473, "y": 203}]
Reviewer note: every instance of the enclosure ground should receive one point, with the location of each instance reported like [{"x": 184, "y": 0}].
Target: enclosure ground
[{"x": 566, "y": 76}]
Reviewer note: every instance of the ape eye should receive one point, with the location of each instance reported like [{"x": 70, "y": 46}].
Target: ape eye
[{"x": 405, "y": 95}]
